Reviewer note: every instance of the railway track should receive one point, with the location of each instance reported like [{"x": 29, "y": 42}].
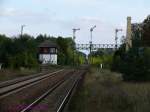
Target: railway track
[
  {"x": 10, "y": 88},
  {"x": 70, "y": 92},
  {"x": 59, "y": 96},
  {"x": 57, "y": 79},
  {"x": 17, "y": 80}
]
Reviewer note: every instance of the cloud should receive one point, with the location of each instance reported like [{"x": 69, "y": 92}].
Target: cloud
[
  {"x": 58, "y": 26},
  {"x": 7, "y": 12},
  {"x": 58, "y": 17},
  {"x": 104, "y": 32},
  {"x": 26, "y": 16}
]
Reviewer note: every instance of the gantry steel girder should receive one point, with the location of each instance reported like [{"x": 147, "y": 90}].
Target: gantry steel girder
[{"x": 95, "y": 46}]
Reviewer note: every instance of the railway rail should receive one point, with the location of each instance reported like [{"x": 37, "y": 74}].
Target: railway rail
[
  {"x": 71, "y": 77},
  {"x": 59, "y": 103},
  {"x": 17, "y": 80},
  {"x": 11, "y": 88},
  {"x": 69, "y": 94}
]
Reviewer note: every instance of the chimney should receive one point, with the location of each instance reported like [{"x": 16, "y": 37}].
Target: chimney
[{"x": 129, "y": 34}]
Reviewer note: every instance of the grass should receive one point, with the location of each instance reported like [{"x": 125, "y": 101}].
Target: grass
[{"x": 104, "y": 91}]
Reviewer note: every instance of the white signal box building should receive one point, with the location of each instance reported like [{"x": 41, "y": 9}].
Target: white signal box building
[{"x": 48, "y": 53}]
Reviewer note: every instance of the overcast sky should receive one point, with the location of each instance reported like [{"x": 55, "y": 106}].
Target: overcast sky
[{"x": 58, "y": 17}]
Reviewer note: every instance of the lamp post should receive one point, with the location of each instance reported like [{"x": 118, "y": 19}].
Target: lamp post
[
  {"x": 74, "y": 37},
  {"x": 22, "y": 27},
  {"x": 116, "y": 37}
]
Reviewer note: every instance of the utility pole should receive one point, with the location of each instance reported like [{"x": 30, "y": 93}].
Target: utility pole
[
  {"x": 74, "y": 37},
  {"x": 91, "y": 43},
  {"x": 22, "y": 27},
  {"x": 116, "y": 37}
]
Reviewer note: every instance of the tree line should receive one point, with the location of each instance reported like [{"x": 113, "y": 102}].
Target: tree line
[
  {"x": 22, "y": 51},
  {"x": 102, "y": 56},
  {"x": 135, "y": 63}
]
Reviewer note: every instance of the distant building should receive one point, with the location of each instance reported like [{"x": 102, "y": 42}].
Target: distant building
[
  {"x": 128, "y": 34},
  {"x": 136, "y": 27},
  {"x": 134, "y": 31},
  {"x": 137, "y": 31},
  {"x": 48, "y": 53}
]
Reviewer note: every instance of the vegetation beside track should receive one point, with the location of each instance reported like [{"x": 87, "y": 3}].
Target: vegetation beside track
[{"x": 104, "y": 91}]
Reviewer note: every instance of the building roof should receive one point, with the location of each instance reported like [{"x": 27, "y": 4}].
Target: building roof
[{"x": 48, "y": 44}]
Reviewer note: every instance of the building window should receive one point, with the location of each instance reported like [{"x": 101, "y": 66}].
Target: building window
[
  {"x": 53, "y": 50},
  {"x": 45, "y": 50}
]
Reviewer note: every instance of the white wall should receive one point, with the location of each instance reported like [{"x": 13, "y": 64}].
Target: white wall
[{"x": 48, "y": 58}]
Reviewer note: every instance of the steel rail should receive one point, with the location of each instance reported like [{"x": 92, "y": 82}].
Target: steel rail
[
  {"x": 69, "y": 93},
  {"x": 5, "y": 91},
  {"x": 55, "y": 86},
  {"x": 17, "y": 80}
]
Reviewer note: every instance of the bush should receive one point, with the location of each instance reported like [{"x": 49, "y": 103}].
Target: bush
[{"x": 134, "y": 64}]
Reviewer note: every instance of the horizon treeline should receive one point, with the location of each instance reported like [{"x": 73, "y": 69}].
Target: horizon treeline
[
  {"x": 135, "y": 63},
  {"x": 22, "y": 51}
]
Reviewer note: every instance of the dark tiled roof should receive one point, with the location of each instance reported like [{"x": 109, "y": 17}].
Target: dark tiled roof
[{"x": 48, "y": 44}]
